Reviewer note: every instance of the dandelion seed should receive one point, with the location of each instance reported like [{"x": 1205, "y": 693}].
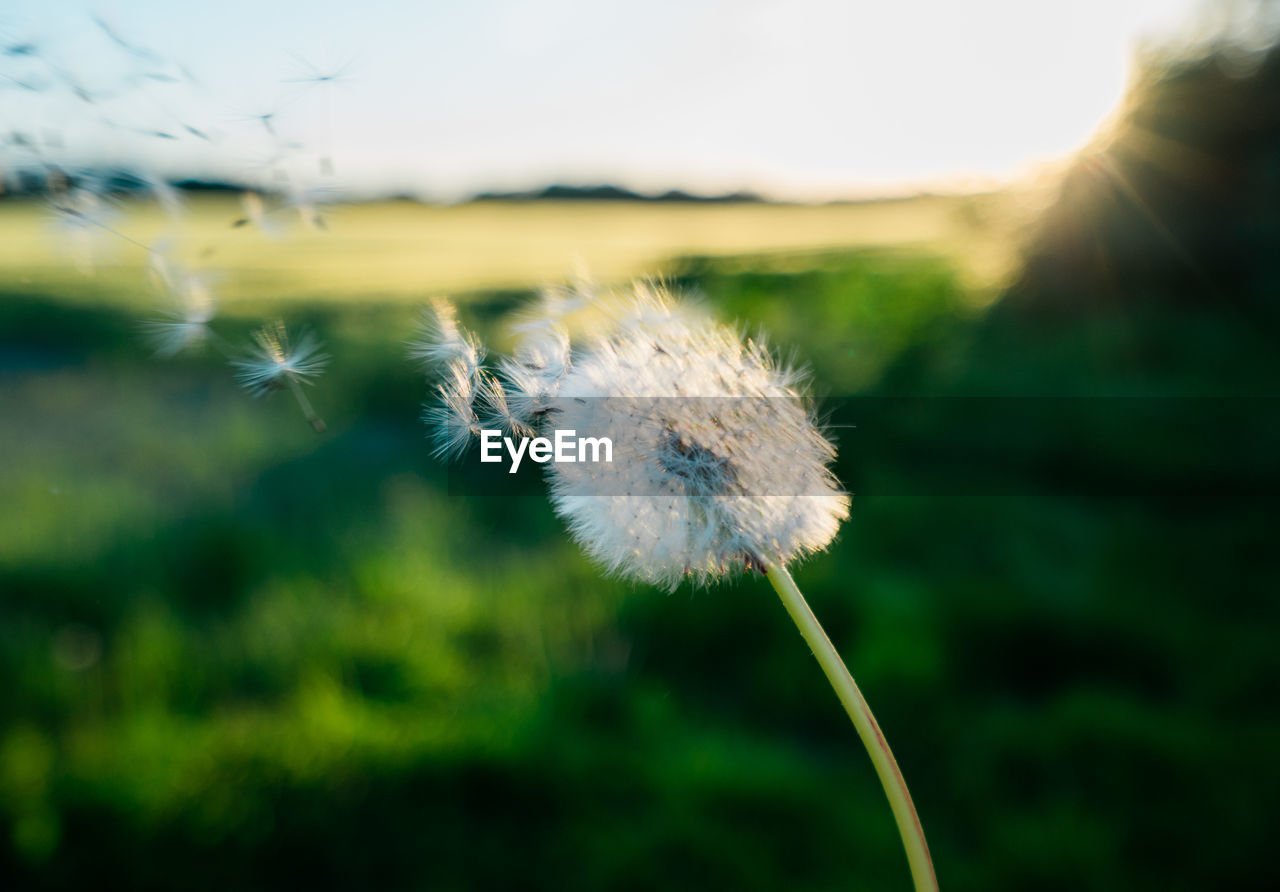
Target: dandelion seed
[
  {"x": 128, "y": 46},
  {"x": 310, "y": 75},
  {"x": 275, "y": 364},
  {"x": 21, "y": 50},
  {"x": 440, "y": 341},
  {"x": 453, "y": 418},
  {"x": 266, "y": 119},
  {"x": 491, "y": 396},
  {"x": 530, "y": 392},
  {"x": 187, "y": 326}
]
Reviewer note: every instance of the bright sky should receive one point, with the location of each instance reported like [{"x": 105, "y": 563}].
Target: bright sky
[{"x": 797, "y": 98}]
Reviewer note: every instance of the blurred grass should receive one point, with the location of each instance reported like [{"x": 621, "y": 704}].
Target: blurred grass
[
  {"x": 236, "y": 654},
  {"x": 402, "y": 250}
]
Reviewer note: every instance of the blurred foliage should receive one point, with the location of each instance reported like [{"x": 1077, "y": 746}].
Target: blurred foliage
[{"x": 239, "y": 655}]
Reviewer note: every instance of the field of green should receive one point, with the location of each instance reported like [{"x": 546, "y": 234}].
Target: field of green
[
  {"x": 236, "y": 654},
  {"x": 404, "y": 251}
]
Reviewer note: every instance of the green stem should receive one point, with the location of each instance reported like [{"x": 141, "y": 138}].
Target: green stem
[{"x": 904, "y": 812}]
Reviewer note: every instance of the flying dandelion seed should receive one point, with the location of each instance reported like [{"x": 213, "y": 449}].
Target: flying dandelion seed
[
  {"x": 275, "y": 364},
  {"x": 718, "y": 463},
  {"x": 128, "y": 46},
  {"x": 21, "y": 50},
  {"x": 310, "y": 75},
  {"x": 266, "y": 119},
  {"x": 187, "y": 325}
]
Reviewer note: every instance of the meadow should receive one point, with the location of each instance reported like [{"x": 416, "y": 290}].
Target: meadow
[
  {"x": 238, "y": 654},
  {"x": 402, "y": 250}
]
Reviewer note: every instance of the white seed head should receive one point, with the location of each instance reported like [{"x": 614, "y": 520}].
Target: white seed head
[
  {"x": 718, "y": 463},
  {"x": 274, "y": 363}
]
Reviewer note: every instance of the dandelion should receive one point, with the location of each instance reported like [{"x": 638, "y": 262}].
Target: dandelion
[
  {"x": 275, "y": 364},
  {"x": 718, "y": 465}
]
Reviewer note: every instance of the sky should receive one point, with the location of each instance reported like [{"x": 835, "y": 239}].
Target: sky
[{"x": 806, "y": 99}]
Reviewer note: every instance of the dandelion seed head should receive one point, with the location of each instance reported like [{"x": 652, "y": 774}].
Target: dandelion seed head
[
  {"x": 718, "y": 463},
  {"x": 274, "y": 362}
]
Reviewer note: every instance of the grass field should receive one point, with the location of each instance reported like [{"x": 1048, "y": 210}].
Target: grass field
[
  {"x": 237, "y": 654},
  {"x": 401, "y": 250}
]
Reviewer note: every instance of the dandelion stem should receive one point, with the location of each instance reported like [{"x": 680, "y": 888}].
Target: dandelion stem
[
  {"x": 904, "y": 812},
  {"x": 317, "y": 423}
]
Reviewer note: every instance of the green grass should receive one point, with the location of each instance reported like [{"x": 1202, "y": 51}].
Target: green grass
[
  {"x": 403, "y": 251},
  {"x": 237, "y": 654}
]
